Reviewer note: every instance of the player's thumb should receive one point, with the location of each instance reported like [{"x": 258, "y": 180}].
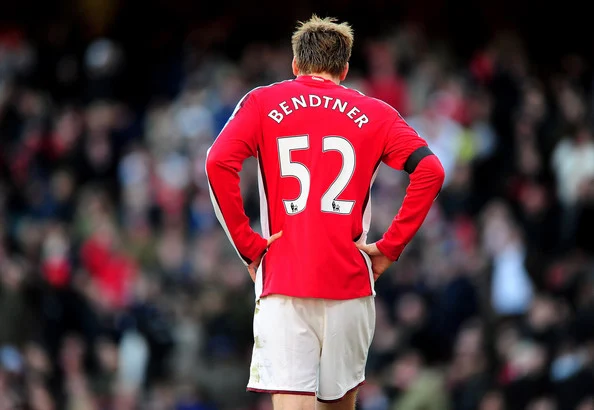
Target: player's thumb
[
  {"x": 370, "y": 249},
  {"x": 274, "y": 237},
  {"x": 363, "y": 247}
]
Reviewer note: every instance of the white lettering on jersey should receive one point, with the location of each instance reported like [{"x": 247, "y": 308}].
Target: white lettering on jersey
[
  {"x": 276, "y": 116},
  {"x": 299, "y": 101},
  {"x": 283, "y": 105},
  {"x": 362, "y": 120},
  {"x": 352, "y": 112},
  {"x": 311, "y": 100},
  {"x": 314, "y": 101},
  {"x": 337, "y": 103}
]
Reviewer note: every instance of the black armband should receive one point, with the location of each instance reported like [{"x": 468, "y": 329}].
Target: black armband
[{"x": 413, "y": 160}]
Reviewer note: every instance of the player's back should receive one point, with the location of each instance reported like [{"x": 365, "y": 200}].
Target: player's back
[{"x": 320, "y": 146}]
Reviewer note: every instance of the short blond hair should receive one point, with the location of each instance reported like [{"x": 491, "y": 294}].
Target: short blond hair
[{"x": 321, "y": 45}]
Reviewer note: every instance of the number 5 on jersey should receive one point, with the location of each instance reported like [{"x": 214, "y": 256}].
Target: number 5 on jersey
[{"x": 288, "y": 168}]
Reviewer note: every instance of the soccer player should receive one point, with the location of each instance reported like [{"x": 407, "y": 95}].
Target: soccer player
[{"x": 318, "y": 146}]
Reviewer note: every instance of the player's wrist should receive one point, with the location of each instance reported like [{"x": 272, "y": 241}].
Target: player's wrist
[
  {"x": 258, "y": 248},
  {"x": 390, "y": 252},
  {"x": 262, "y": 245}
]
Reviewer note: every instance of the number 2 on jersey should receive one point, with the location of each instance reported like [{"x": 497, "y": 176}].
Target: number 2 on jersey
[{"x": 329, "y": 202}]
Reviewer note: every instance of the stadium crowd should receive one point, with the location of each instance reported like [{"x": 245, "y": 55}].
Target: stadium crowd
[{"x": 119, "y": 290}]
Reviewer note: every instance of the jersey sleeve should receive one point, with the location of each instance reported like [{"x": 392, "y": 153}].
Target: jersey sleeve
[
  {"x": 405, "y": 150},
  {"x": 235, "y": 143}
]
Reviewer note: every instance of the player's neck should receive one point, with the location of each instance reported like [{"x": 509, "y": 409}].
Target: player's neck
[{"x": 325, "y": 76}]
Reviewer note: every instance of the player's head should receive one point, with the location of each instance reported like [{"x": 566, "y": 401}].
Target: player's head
[{"x": 321, "y": 45}]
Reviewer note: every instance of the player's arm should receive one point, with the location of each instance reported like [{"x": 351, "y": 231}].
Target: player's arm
[
  {"x": 406, "y": 150},
  {"x": 236, "y": 142}
]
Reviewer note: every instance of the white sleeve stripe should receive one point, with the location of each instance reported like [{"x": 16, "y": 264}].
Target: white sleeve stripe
[
  {"x": 263, "y": 205},
  {"x": 366, "y": 226},
  {"x": 219, "y": 215}
]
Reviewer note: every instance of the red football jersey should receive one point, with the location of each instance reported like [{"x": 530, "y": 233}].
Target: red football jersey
[{"x": 318, "y": 146}]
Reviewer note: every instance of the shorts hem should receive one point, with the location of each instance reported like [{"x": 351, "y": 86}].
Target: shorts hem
[
  {"x": 280, "y": 391},
  {"x": 339, "y": 398}
]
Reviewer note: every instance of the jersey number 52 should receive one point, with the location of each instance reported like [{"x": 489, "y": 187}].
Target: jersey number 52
[{"x": 288, "y": 168}]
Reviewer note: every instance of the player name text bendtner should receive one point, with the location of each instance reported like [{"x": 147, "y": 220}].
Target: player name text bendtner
[{"x": 316, "y": 101}]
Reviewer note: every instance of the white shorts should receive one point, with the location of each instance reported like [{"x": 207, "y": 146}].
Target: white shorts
[{"x": 311, "y": 346}]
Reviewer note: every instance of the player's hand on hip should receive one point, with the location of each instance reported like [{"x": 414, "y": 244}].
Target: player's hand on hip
[
  {"x": 379, "y": 261},
  {"x": 253, "y": 267}
]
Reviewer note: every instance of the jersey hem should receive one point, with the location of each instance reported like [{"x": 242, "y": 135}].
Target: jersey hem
[{"x": 321, "y": 296}]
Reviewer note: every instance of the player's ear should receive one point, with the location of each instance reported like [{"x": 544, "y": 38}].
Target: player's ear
[
  {"x": 345, "y": 72},
  {"x": 295, "y": 69}
]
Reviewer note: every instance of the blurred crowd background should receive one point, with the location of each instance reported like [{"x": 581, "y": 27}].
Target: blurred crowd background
[{"x": 118, "y": 288}]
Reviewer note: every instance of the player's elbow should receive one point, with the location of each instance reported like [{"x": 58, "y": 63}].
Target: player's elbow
[
  {"x": 213, "y": 161},
  {"x": 431, "y": 166},
  {"x": 439, "y": 173},
  {"x": 220, "y": 160}
]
